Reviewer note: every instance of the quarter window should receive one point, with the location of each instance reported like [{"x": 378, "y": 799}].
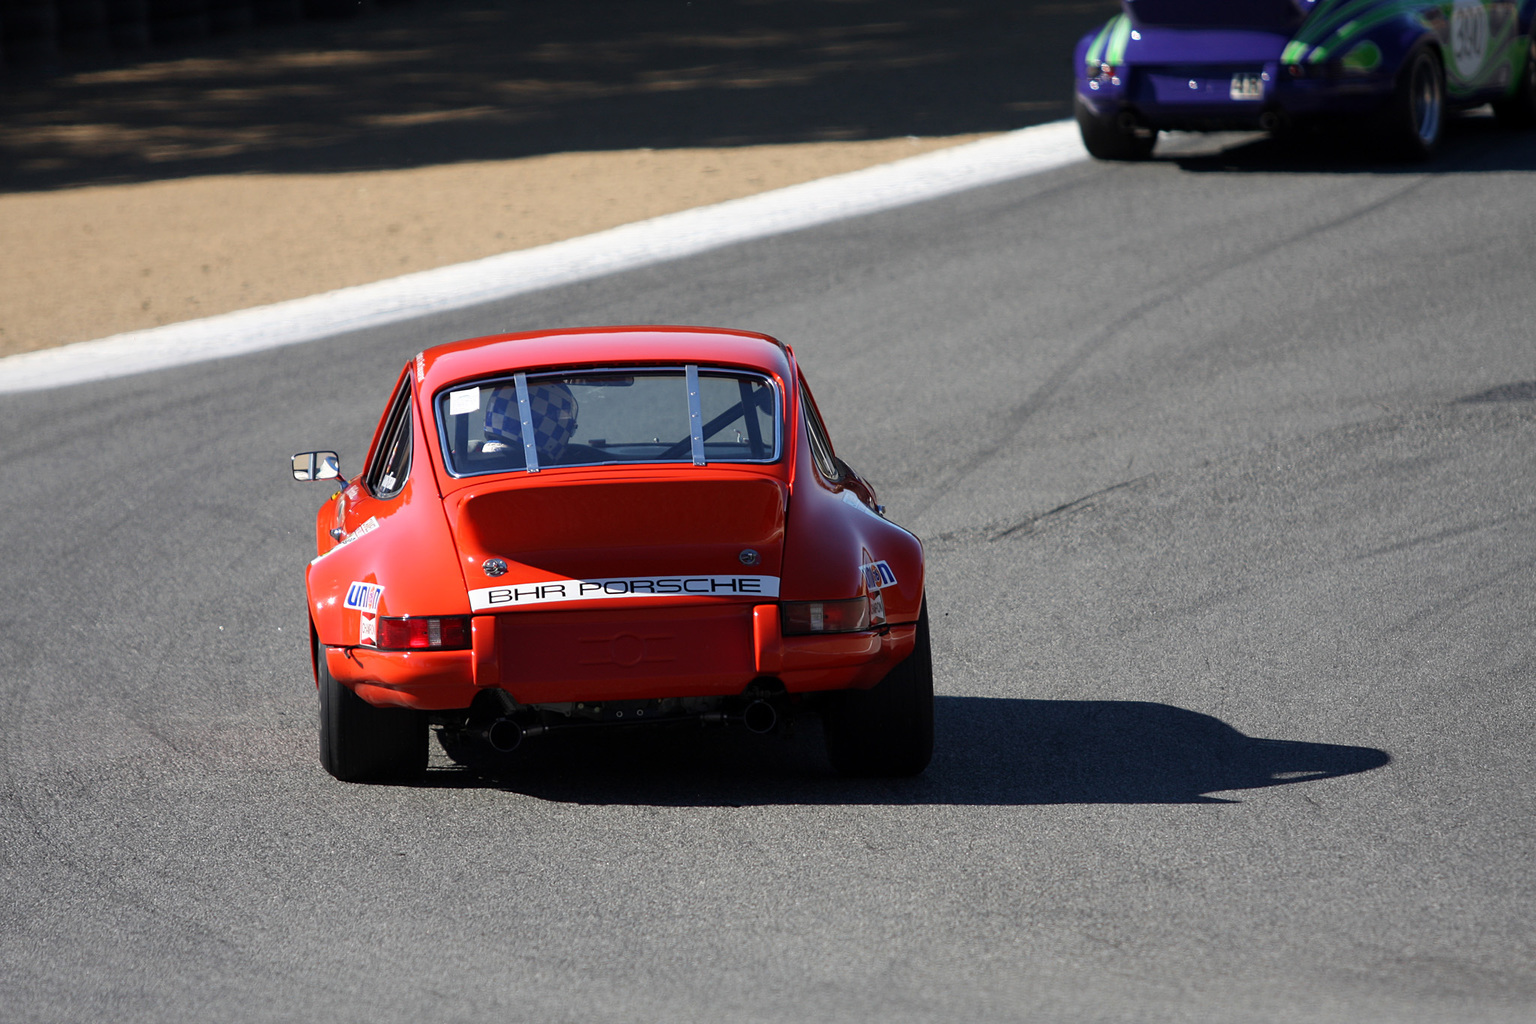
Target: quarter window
[
  {"x": 821, "y": 444},
  {"x": 392, "y": 462}
]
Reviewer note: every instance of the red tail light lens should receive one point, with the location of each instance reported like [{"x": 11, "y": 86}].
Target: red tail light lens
[
  {"x": 424, "y": 634},
  {"x": 802, "y": 617}
]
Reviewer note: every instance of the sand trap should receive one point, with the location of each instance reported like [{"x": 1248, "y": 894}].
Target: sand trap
[{"x": 89, "y": 262}]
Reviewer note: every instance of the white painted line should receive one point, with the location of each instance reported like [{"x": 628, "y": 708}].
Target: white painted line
[{"x": 883, "y": 187}]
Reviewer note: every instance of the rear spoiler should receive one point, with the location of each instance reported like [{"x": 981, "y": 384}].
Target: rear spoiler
[{"x": 1261, "y": 15}]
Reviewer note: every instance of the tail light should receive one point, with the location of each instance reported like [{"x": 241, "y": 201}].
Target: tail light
[
  {"x": 424, "y": 634},
  {"x": 1102, "y": 72},
  {"x": 802, "y": 617},
  {"x": 1330, "y": 70}
]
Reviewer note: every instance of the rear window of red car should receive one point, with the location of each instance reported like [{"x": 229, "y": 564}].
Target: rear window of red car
[{"x": 688, "y": 414}]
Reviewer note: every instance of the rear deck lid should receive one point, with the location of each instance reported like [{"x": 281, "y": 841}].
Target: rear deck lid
[{"x": 686, "y": 535}]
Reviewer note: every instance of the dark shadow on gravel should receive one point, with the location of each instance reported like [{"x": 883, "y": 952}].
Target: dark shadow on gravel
[
  {"x": 988, "y": 751},
  {"x": 457, "y": 80}
]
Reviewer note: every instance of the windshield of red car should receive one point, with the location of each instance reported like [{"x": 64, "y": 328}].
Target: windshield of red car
[{"x": 687, "y": 414}]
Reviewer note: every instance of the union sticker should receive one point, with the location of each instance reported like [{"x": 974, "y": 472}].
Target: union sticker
[
  {"x": 364, "y": 597},
  {"x": 877, "y": 575}
]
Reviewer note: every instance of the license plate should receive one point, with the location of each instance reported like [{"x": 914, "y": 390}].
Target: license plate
[{"x": 1247, "y": 87}]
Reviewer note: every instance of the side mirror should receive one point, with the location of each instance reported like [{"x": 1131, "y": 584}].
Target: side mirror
[{"x": 316, "y": 466}]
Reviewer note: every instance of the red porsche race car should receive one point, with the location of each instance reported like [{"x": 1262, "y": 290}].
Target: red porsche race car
[{"x": 609, "y": 527}]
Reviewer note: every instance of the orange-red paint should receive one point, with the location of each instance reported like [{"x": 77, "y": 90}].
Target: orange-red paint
[{"x": 426, "y": 545}]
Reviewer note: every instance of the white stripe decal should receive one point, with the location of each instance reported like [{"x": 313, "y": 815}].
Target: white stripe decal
[
  {"x": 510, "y": 596},
  {"x": 675, "y": 235}
]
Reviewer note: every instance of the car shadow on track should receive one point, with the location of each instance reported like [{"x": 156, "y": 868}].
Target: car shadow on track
[
  {"x": 987, "y": 751},
  {"x": 1473, "y": 144}
]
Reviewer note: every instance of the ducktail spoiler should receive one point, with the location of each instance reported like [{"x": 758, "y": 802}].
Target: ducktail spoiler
[{"x": 1259, "y": 15}]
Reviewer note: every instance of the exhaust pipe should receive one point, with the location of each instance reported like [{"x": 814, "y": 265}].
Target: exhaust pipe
[
  {"x": 1272, "y": 120},
  {"x": 760, "y": 717},
  {"x": 505, "y": 735}
]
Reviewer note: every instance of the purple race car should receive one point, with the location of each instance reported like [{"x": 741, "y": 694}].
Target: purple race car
[{"x": 1219, "y": 65}]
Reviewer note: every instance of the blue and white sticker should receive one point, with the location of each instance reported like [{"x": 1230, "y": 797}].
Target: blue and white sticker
[
  {"x": 877, "y": 575},
  {"x": 510, "y": 596},
  {"x": 364, "y": 597}
]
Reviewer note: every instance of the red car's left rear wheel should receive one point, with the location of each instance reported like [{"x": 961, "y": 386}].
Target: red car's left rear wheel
[
  {"x": 888, "y": 730},
  {"x": 362, "y": 743}
]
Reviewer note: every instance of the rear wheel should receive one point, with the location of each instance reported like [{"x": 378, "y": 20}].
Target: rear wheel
[
  {"x": 362, "y": 743},
  {"x": 1105, "y": 139},
  {"x": 887, "y": 730},
  {"x": 1519, "y": 110},
  {"x": 1414, "y": 119}
]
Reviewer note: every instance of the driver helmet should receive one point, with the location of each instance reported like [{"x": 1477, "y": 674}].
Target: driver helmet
[{"x": 553, "y": 410}]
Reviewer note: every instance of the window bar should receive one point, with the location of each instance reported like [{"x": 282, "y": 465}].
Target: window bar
[
  {"x": 695, "y": 414},
  {"x": 749, "y": 406},
  {"x": 525, "y": 414}
]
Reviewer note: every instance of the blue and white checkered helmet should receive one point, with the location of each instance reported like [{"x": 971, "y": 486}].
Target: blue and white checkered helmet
[{"x": 553, "y": 409}]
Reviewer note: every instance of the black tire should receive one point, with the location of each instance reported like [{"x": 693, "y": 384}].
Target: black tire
[
  {"x": 1106, "y": 140},
  {"x": 886, "y": 731},
  {"x": 1519, "y": 110},
  {"x": 1413, "y": 121},
  {"x": 362, "y": 743}
]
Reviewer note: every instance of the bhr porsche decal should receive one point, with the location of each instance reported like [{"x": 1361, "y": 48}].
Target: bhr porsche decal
[{"x": 549, "y": 591}]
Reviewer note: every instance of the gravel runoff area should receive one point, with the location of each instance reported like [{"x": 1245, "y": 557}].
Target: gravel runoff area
[
  {"x": 185, "y": 180},
  {"x": 89, "y": 262}
]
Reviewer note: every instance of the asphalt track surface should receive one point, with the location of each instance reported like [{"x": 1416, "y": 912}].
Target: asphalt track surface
[{"x": 1226, "y": 466}]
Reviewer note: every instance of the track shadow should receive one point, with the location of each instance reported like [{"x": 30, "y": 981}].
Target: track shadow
[
  {"x": 1474, "y": 144},
  {"x": 458, "y": 80},
  {"x": 988, "y": 751},
  {"x": 1520, "y": 391}
]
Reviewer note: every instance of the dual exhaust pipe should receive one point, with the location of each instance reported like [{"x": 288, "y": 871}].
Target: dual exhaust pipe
[
  {"x": 1269, "y": 121},
  {"x": 1273, "y": 121},
  {"x": 504, "y": 734}
]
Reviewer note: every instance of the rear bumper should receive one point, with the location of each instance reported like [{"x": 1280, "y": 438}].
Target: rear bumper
[
  {"x": 557, "y": 657},
  {"x": 1173, "y": 99}
]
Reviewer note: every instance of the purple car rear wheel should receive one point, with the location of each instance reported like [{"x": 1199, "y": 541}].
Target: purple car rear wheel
[
  {"x": 1106, "y": 139},
  {"x": 1414, "y": 119}
]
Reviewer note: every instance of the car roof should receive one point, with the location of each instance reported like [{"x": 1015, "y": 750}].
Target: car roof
[{"x": 442, "y": 365}]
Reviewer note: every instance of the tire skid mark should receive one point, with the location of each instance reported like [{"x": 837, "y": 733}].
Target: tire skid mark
[
  {"x": 1024, "y": 527},
  {"x": 1013, "y": 423},
  {"x": 1027, "y": 525},
  {"x": 1443, "y": 535}
]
